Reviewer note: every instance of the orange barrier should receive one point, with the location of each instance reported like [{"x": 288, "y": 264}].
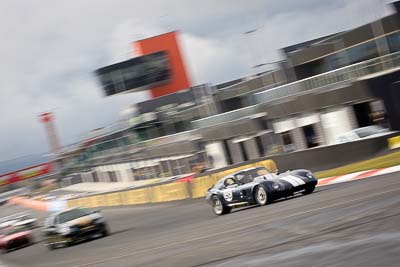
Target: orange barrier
[{"x": 29, "y": 203}]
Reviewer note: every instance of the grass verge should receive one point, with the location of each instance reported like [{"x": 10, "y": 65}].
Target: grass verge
[{"x": 385, "y": 161}]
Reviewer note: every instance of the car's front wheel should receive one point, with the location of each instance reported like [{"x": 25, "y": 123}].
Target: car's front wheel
[
  {"x": 50, "y": 246},
  {"x": 218, "y": 207},
  {"x": 309, "y": 190},
  {"x": 105, "y": 231},
  {"x": 261, "y": 196}
]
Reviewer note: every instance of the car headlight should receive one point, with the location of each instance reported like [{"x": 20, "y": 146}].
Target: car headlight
[
  {"x": 99, "y": 220},
  {"x": 275, "y": 186},
  {"x": 309, "y": 175},
  {"x": 65, "y": 230}
]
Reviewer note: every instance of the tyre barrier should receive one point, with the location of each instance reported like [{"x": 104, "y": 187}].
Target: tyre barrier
[{"x": 194, "y": 188}]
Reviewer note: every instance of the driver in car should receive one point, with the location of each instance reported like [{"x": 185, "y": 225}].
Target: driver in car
[{"x": 229, "y": 182}]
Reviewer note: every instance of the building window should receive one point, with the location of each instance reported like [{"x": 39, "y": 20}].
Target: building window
[
  {"x": 378, "y": 114},
  {"x": 244, "y": 151},
  {"x": 260, "y": 146},
  {"x": 288, "y": 144},
  {"x": 113, "y": 176},
  {"x": 394, "y": 42},
  {"x": 95, "y": 177},
  {"x": 310, "y": 135},
  {"x": 362, "y": 112},
  {"x": 227, "y": 152}
]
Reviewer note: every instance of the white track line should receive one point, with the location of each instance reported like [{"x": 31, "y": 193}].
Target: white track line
[
  {"x": 346, "y": 177},
  {"x": 350, "y": 177},
  {"x": 389, "y": 170}
]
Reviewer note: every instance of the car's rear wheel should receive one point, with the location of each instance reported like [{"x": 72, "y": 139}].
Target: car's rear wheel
[
  {"x": 309, "y": 190},
  {"x": 261, "y": 196},
  {"x": 218, "y": 206}
]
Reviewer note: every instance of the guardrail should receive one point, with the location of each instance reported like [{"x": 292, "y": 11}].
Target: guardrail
[
  {"x": 345, "y": 74},
  {"x": 224, "y": 117},
  {"x": 127, "y": 149}
]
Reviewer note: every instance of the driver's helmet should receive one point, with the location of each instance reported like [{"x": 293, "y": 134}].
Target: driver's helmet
[
  {"x": 229, "y": 181},
  {"x": 261, "y": 172}
]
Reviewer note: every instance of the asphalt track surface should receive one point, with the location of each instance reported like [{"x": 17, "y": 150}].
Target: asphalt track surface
[{"x": 349, "y": 224}]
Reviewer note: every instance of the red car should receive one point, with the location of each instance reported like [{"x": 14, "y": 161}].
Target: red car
[{"x": 15, "y": 237}]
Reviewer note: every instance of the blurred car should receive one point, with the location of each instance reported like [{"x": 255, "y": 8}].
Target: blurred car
[
  {"x": 49, "y": 198},
  {"x": 23, "y": 219},
  {"x": 15, "y": 237},
  {"x": 3, "y": 201},
  {"x": 7, "y": 223},
  {"x": 73, "y": 225},
  {"x": 26, "y": 220},
  {"x": 257, "y": 186},
  {"x": 363, "y": 132}
]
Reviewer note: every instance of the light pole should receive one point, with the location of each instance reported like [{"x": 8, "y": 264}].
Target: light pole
[
  {"x": 253, "y": 56},
  {"x": 47, "y": 118}
]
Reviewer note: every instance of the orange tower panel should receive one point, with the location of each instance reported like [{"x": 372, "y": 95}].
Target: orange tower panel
[{"x": 167, "y": 42}]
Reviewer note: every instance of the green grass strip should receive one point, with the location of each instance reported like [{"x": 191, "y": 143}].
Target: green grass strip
[{"x": 389, "y": 160}]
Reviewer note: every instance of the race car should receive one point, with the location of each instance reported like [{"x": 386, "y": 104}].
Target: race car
[
  {"x": 257, "y": 186},
  {"x": 15, "y": 237},
  {"x": 73, "y": 225},
  {"x": 21, "y": 219},
  {"x": 26, "y": 220},
  {"x": 7, "y": 222}
]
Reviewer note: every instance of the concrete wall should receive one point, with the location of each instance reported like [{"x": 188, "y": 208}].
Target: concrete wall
[{"x": 325, "y": 157}]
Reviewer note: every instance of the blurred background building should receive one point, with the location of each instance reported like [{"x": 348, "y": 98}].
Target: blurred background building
[{"x": 320, "y": 90}]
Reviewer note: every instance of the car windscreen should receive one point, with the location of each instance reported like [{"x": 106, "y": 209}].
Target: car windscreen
[
  {"x": 249, "y": 175},
  {"x": 72, "y": 215}
]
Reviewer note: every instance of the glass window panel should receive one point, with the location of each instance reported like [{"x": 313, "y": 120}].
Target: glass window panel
[{"x": 394, "y": 42}]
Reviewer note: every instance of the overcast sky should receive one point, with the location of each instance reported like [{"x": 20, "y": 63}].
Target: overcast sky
[{"x": 49, "y": 49}]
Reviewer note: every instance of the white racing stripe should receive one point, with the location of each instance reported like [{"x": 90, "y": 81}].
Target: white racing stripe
[{"x": 293, "y": 180}]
